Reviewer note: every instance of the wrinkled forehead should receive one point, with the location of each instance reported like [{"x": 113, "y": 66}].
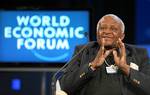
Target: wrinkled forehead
[{"x": 109, "y": 20}]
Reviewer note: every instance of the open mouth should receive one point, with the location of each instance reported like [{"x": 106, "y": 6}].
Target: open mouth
[{"x": 107, "y": 37}]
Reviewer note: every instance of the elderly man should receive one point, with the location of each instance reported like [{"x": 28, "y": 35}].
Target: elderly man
[{"x": 108, "y": 66}]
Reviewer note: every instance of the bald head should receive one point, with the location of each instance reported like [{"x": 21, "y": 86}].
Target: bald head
[
  {"x": 110, "y": 28},
  {"x": 115, "y": 18}
]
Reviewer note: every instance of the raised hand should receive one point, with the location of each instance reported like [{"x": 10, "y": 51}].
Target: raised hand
[
  {"x": 101, "y": 55},
  {"x": 120, "y": 59}
]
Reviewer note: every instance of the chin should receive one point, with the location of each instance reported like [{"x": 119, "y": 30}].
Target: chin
[
  {"x": 108, "y": 44},
  {"x": 107, "y": 47}
]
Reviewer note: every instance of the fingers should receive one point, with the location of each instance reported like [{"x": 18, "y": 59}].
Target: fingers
[
  {"x": 120, "y": 43},
  {"x": 102, "y": 54},
  {"x": 116, "y": 58},
  {"x": 102, "y": 49},
  {"x": 122, "y": 47}
]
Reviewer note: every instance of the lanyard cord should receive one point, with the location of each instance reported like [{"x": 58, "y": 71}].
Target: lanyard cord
[
  {"x": 106, "y": 62},
  {"x": 113, "y": 66}
]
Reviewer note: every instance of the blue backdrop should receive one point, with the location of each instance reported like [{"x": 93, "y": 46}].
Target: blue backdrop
[
  {"x": 41, "y": 36},
  {"x": 143, "y": 23}
]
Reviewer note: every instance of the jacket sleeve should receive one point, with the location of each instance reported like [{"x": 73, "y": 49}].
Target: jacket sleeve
[
  {"x": 141, "y": 79},
  {"x": 76, "y": 74}
]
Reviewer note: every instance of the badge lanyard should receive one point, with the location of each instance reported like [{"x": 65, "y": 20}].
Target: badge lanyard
[{"x": 111, "y": 69}]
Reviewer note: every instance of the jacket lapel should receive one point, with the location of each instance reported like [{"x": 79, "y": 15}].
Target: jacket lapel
[{"x": 93, "y": 52}]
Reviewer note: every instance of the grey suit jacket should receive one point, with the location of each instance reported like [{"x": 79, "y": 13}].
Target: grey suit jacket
[{"x": 78, "y": 74}]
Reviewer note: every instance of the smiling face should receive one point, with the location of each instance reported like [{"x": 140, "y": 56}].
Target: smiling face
[{"x": 110, "y": 30}]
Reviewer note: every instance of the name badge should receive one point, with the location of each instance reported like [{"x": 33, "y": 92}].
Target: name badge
[
  {"x": 134, "y": 66},
  {"x": 112, "y": 69}
]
